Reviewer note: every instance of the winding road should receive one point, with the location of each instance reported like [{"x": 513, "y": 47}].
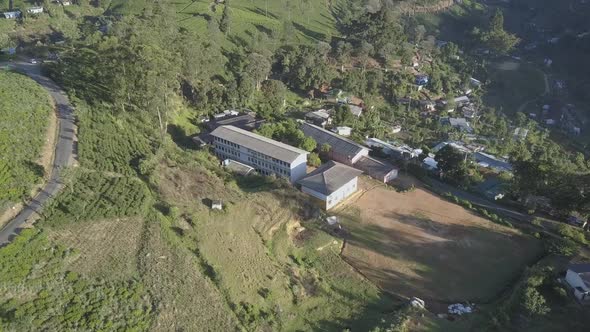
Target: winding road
[{"x": 65, "y": 152}]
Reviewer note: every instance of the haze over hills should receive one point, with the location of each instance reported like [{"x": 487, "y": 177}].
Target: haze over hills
[{"x": 254, "y": 165}]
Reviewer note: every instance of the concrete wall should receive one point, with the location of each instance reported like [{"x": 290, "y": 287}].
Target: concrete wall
[
  {"x": 362, "y": 153},
  {"x": 298, "y": 168}
]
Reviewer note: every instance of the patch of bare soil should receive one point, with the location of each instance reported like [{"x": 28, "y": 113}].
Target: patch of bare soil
[{"x": 418, "y": 244}]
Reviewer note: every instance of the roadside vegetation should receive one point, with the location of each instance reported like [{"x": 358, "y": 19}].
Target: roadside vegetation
[{"x": 25, "y": 109}]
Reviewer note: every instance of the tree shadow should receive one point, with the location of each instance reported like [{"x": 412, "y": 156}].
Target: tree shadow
[
  {"x": 263, "y": 29},
  {"x": 180, "y": 137},
  {"x": 262, "y": 12},
  {"x": 308, "y": 32}
]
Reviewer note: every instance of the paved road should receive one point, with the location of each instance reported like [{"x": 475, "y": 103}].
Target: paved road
[
  {"x": 480, "y": 201},
  {"x": 65, "y": 149}
]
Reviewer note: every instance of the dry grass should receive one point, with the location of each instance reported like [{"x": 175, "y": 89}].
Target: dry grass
[
  {"x": 106, "y": 248},
  {"x": 186, "y": 299},
  {"x": 417, "y": 244}
]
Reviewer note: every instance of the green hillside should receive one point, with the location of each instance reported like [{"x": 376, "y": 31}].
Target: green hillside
[{"x": 311, "y": 19}]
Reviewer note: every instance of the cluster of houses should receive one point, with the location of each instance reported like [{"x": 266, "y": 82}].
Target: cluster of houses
[
  {"x": 475, "y": 151},
  {"x": 561, "y": 116},
  {"x": 13, "y": 13},
  {"x": 244, "y": 152}
]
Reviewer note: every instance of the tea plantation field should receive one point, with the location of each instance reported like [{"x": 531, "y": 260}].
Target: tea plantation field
[{"x": 24, "y": 116}]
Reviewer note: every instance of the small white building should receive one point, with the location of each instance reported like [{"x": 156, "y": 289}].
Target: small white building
[
  {"x": 12, "y": 15},
  {"x": 35, "y": 10},
  {"x": 355, "y": 110},
  {"x": 330, "y": 184},
  {"x": 216, "y": 205},
  {"x": 343, "y": 131},
  {"x": 578, "y": 277},
  {"x": 321, "y": 117}
]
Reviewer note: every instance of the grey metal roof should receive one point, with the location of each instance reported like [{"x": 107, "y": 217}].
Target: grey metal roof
[
  {"x": 258, "y": 143},
  {"x": 329, "y": 177},
  {"x": 580, "y": 268},
  {"x": 338, "y": 144},
  {"x": 374, "y": 167}
]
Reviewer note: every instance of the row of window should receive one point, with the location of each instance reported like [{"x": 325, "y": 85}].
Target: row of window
[
  {"x": 226, "y": 142},
  {"x": 262, "y": 156},
  {"x": 269, "y": 166},
  {"x": 229, "y": 151}
]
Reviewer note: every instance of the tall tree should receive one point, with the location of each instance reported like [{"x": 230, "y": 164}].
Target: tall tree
[
  {"x": 225, "y": 23},
  {"x": 257, "y": 67}
]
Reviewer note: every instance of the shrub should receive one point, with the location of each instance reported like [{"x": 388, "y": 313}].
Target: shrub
[
  {"x": 572, "y": 233},
  {"x": 94, "y": 195},
  {"x": 563, "y": 247},
  {"x": 533, "y": 302}
]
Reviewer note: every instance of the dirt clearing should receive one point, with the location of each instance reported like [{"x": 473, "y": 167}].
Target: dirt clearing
[{"x": 417, "y": 244}]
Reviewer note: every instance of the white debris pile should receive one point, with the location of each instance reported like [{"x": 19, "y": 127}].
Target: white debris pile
[
  {"x": 333, "y": 220},
  {"x": 417, "y": 303},
  {"x": 460, "y": 309}
]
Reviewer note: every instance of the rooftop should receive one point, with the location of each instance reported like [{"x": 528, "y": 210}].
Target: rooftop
[
  {"x": 580, "y": 268},
  {"x": 374, "y": 167},
  {"x": 319, "y": 114},
  {"x": 237, "y": 167},
  {"x": 258, "y": 143},
  {"x": 244, "y": 121},
  {"x": 329, "y": 177},
  {"x": 338, "y": 143}
]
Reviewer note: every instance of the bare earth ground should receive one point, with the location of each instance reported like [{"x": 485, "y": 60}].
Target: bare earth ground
[{"x": 417, "y": 244}]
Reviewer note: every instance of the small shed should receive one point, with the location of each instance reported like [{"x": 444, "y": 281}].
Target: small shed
[
  {"x": 216, "y": 204},
  {"x": 35, "y": 10},
  {"x": 343, "y": 131},
  {"x": 12, "y": 15}
]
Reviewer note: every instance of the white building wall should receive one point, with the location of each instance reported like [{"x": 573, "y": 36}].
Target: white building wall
[
  {"x": 263, "y": 164},
  {"x": 298, "y": 168},
  {"x": 336, "y": 197},
  {"x": 574, "y": 280},
  {"x": 362, "y": 153},
  {"x": 341, "y": 194}
]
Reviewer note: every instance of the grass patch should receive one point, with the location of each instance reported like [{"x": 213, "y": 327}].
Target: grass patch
[{"x": 514, "y": 83}]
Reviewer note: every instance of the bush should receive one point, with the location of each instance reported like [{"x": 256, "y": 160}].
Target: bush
[
  {"x": 572, "y": 233},
  {"x": 94, "y": 195},
  {"x": 562, "y": 247},
  {"x": 534, "y": 303}
]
